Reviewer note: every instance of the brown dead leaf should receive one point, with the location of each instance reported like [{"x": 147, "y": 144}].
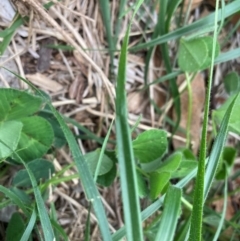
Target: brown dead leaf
[
  {"x": 44, "y": 82},
  {"x": 76, "y": 88},
  {"x": 235, "y": 19},
  {"x": 135, "y": 102},
  {"x": 198, "y": 95},
  {"x": 218, "y": 204}
]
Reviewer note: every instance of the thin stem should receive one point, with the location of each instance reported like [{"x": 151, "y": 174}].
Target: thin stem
[{"x": 189, "y": 117}]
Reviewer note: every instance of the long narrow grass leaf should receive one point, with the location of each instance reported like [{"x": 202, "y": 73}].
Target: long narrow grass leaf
[
  {"x": 14, "y": 198},
  {"x": 102, "y": 152},
  {"x": 30, "y": 226},
  {"x": 170, "y": 214},
  {"x": 221, "y": 222},
  {"x": 217, "y": 149},
  {"x": 128, "y": 176}
]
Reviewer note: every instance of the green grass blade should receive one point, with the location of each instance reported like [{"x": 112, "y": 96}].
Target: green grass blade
[
  {"x": 205, "y": 22},
  {"x": 30, "y": 227},
  {"x": 221, "y": 223},
  {"x": 217, "y": 149},
  {"x": 105, "y": 9},
  {"x": 125, "y": 155},
  {"x": 87, "y": 233},
  {"x": 227, "y": 56},
  {"x": 7, "y": 33},
  {"x": 14, "y": 198},
  {"x": 88, "y": 183},
  {"x": 102, "y": 151},
  {"x": 170, "y": 214}
]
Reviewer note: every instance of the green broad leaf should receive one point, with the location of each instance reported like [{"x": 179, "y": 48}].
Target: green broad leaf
[
  {"x": 234, "y": 122},
  {"x": 9, "y": 134},
  {"x": 209, "y": 42},
  {"x": 228, "y": 157},
  {"x": 187, "y": 165},
  {"x": 15, "y": 228},
  {"x": 192, "y": 54},
  {"x": 171, "y": 164},
  {"x": 107, "y": 179},
  {"x": 232, "y": 83},
  {"x": 150, "y": 145},
  {"x": 41, "y": 169},
  {"x": 36, "y": 138},
  {"x": 17, "y": 104},
  {"x": 171, "y": 212},
  {"x": 22, "y": 195},
  {"x": 157, "y": 182},
  {"x": 59, "y": 138},
  {"x": 92, "y": 161}
]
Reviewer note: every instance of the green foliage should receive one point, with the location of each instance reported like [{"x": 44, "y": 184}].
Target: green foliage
[
  {"x": 8, "y": 33},
  {"x": 36, "y": 138},
  {"x": 41, "y": 168},
  {"x": 150, "y": 145},
  {"x": 92, "y": 161},
  {"x": 196, "y": 54},
  {"x": 170, "y": 214},
  {"x": 29, "y": 136},
  {"x": 234, "y": 123},
  {"x": 158, "y": 180},
  {"x": 15, "y": 228},
  {"x": 227, "y": 161},
  {"x": 9, "y": 134},
  {"x": 232, "y": 83}
]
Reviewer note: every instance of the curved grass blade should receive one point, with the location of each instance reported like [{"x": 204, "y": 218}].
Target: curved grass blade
[
  {"x": 88, "y": 183},
  {"x": 128, "y": 176},
  {"x": 14, "y": 198},
  {"x": 30, "y": 227},
  {"x": 170, "y": 214}
]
